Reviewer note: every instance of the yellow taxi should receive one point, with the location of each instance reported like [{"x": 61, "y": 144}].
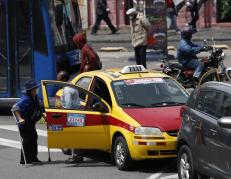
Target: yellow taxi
[{"x": 132, "y": 113}]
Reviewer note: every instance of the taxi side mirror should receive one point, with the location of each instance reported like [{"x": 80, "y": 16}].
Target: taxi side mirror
[{"x": 98, "y": 106}]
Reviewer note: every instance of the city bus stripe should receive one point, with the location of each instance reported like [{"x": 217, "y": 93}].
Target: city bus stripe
[
  {"x": 17, "y": 145},
  {"x": 40, "y": 132}
]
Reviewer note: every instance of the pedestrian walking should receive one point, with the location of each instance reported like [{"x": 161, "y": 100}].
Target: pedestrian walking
[
  {"x": 208, "y": 5},
  {"x": 102, "y": 11},
  {"x": 172, "y": 15},
  {"x": 89, "y": 58},
  {"x": 139, "y": 31},
  {"x": 192, "y": 6},
  {"x": 28, "y": 111}
]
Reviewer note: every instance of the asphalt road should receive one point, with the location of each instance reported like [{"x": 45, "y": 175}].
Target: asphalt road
[{"x": 96, "y": 164}]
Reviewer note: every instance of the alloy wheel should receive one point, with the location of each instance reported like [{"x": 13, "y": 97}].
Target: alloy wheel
[{"x": 184, "y": 166}]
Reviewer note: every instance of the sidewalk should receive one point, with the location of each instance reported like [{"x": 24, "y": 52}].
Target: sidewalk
[{"x": 222, "y": 35}]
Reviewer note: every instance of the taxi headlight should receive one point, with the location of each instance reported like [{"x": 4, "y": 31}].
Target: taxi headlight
[{"x": 148, "y": 131}]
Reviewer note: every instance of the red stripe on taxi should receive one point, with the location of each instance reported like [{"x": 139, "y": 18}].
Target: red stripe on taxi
[{"x": 90, "y": 120}]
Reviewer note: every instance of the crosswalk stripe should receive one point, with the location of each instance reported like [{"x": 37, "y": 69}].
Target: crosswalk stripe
[
  {"x": 40, "y": 132},
  {"x": 163, "y": 171},
  {"x": 17, "y": 145}
]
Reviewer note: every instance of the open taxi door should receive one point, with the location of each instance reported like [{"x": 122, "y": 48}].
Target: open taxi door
[{"x": 83, "y": 126}]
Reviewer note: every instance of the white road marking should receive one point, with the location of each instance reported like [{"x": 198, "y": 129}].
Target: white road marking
[
  {"x": 17, "y": 145},
  {"x": 163, "y": 172},
  {"x": 40, "y": 132}
]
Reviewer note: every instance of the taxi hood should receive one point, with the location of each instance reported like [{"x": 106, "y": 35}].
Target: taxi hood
[{"x": 165, "y": 118}]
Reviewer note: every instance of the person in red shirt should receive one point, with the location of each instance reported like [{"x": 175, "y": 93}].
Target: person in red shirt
[
  {"x": 89, "y": 58},
  {"x": 172, "y": 13}
]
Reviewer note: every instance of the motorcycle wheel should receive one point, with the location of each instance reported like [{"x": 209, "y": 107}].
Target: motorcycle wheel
[{"x": 211, "y": 75}]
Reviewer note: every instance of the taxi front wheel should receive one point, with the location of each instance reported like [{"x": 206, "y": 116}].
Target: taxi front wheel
[{"x": 121, "y": 154}]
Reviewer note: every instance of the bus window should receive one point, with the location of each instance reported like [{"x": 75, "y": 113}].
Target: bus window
[
  {"x": 23, "y": 43},
  {"x": 3, "y": 54},
  {"x": 40, "y": 43},
  {"x": 65, "y": 22}
]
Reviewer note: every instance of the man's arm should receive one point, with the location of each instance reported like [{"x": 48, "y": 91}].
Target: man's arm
[
  {"x": 190, "y": 49},
  {"x": 145, "y": 23}
]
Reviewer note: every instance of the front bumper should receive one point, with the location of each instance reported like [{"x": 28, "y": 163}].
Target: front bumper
[{"x": 143, "y": 147}]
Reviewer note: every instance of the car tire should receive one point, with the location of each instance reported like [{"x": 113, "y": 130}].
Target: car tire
[
  {"x": 185, "y": 166},
  {"x": 121, "y": 154},
  {"x": 202, "y": 176}
]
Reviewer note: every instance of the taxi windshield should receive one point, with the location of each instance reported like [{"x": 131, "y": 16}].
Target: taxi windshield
[{"x": 149, "y": 92}]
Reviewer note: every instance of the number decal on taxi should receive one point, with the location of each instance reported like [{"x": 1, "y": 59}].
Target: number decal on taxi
[{"x": 75, "y": 120}]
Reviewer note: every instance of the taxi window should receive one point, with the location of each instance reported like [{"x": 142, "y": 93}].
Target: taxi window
[
  {"x": 67, "y": 96},
  {"x": 100, "y": 88},
  {"x": 84, "y": 82},
  {"x": 149, "y": 92}
]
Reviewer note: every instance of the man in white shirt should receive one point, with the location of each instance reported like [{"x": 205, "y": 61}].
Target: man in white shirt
[{"x": 70, "y": 98}]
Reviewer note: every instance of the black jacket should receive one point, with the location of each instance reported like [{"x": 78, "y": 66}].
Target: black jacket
[{"x": 101, "y": 7}]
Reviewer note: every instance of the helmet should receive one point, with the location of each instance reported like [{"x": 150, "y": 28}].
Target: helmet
[{"x": 186, "y": 32}]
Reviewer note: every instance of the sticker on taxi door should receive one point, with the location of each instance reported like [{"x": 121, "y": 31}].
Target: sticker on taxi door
[{"x": 77, "y": 120}]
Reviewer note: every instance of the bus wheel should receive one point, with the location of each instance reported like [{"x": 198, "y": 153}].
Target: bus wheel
[{"x": 121, "y": 154}]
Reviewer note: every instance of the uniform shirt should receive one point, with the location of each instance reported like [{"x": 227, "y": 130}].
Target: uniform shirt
[
  {"x": 187, "y": 51},
  {"x": 30, "y": 110},
  {"x": 70, "y": 98}
]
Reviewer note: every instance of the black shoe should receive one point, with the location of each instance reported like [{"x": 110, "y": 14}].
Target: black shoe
[
  {"x": 76, "y": 159},
  {"x": 23, "y": 163},
  {"x": 93, "y": 33},
  {"x": 36, "y": 162},
  {"x": 114, "y": 31}
]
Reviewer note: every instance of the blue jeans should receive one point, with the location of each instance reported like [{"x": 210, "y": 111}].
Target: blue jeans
[{"x": 197, "y": 65}]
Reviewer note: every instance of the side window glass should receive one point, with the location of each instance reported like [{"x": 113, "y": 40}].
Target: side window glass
[
  {"x": 101, "y": 89},
  {"x": 67, "y": 96},
  {"x": 226, "y": 106},
  {"x": 84, "y": 82},
  {"x": 208, "y": 102},
  {"x": 39, "y": 35}
]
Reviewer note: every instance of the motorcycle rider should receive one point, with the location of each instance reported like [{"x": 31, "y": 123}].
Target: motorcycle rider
[{"x": 187, "y": 50}]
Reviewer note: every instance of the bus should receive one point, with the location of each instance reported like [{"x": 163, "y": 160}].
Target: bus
[{"x": 36, "y": 42}]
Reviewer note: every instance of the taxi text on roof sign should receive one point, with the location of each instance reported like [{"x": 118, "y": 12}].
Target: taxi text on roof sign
[{"x": 133, "y": 69}]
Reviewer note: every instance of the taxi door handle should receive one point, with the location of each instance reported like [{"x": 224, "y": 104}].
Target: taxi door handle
[{"x": 56, "y": 115}]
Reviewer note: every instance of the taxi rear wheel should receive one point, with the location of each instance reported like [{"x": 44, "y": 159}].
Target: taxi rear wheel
[{"x": 121, "y": 154}]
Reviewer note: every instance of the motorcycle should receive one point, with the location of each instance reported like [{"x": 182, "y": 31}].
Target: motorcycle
[{"x": 214, "y": 68}]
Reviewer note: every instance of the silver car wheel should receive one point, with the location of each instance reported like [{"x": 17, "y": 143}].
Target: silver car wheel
[
  {"x": 184, "y": 166},
  {"x": 120, "y": 154}
]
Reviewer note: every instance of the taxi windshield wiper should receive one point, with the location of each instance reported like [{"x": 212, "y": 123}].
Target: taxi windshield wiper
[
  {"x": 167, "y": 103},
  {"x": 132, "y": 104}
]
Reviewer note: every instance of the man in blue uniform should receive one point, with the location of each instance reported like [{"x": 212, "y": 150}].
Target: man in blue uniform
[
  {"x": 187, "y": 52},
  {"x": 28, "y": 111}
]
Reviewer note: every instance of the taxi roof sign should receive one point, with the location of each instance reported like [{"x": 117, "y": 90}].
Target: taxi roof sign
[{"x": 133, "y": 69}]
